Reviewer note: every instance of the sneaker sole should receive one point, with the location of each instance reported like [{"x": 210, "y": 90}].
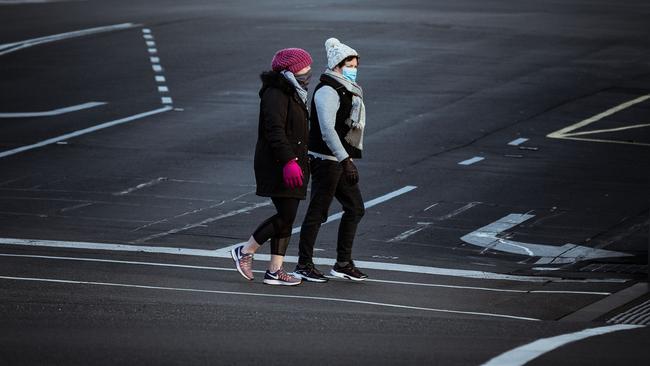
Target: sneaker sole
[
  {"x": 309, "y": 279},
  {"x": 233, "y": 254},
  {"x": 347, "y": 277},
  {"x": 280, "y": 283}
]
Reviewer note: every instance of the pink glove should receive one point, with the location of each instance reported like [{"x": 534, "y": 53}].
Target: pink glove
[{"x": 292, "y": 174}]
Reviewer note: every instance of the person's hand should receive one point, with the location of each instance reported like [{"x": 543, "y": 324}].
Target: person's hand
[
  {"x": 292, "y": 174},
  {"x": 350, "y": 171}
]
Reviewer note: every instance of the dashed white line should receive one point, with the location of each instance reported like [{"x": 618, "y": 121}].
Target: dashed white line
[
  {"x": 518, "y": 141},
  {"x": 156, "y": 66},
  {"x": 471, "y": 161}
]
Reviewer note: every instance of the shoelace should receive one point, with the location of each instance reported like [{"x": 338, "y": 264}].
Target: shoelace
[
  {"x": 246, "y": 259},
  {"x": 284, "y": 276}
]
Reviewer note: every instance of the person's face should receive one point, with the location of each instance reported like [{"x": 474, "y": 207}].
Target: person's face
[
  {"x": 303, "y": 71},
  {"x": 354, "y": 63}
]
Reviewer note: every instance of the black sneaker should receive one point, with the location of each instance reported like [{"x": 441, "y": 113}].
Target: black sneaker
[
  {"x": 309, "y": 273},
  {"x": 349, "y": 272}
]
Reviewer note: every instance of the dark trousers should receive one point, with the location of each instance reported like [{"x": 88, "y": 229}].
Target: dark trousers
[
  {"x": 329, "y": 182},
  {"x": 278, "y": 227}
]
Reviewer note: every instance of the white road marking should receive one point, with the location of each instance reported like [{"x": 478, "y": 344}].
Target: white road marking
[
  {"x": 293, "y": 259},
  {"x": 434, "y": 205},
  {"x": 146, "y": 30},
  {"x": 15, "y": 46},
  {"x": 338, "y": 215},
  {"x": 639, "y": 314},
  {"x": 522, "y": 355},
  {"x": 179, "y": 215},
  {"x": 421, "y": 226},
  {"x": 471, "y": 161},
  {"x": 83, "y": 132},
  {"x": 81, "y": 205},
  {"x": 566, "y": 133},
  {"x": 190, "y": 212},
  {"x": 157, "y": 67},
  {"x": 140, "y": 186},
  {"x": 205, "y": 222},
  {"x": 518, "y": 141},
  {"x": 607, "y": 130},
  {"x": 486, "y": 237},
  {"x": 258, "y": 294},
  {"x": 459, "y": 211},
  {"x": 232, "y": 269},
  {"x": 54, "y": 112}
]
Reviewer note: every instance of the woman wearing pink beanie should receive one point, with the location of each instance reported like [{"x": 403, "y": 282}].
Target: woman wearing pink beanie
[{"x": 281, "y": 162}]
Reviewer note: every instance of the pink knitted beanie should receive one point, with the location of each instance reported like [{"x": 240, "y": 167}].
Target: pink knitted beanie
[{"x": 292, "y": 59}]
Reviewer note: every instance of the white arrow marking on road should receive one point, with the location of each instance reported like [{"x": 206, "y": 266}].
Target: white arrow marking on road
[
  {"x": 487, "y": 237},
  {"x": 54, "y": 112},
  {"x": 15, "y": 46}
]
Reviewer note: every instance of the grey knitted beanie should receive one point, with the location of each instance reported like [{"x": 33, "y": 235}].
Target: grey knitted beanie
[{"x": 337, "y": 52}]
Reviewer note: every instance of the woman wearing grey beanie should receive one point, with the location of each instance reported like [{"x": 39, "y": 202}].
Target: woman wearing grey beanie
[{"x": 337, "y": 122}]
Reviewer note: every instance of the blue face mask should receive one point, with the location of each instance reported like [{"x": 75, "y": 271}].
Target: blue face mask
[{"x": 349, "y": 73}]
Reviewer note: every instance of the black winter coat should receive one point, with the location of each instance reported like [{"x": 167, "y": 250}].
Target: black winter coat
[{"x": 282, "y": 135}]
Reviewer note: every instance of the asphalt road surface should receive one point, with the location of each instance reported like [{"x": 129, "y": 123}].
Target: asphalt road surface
[{"x": 505, "y": 173}]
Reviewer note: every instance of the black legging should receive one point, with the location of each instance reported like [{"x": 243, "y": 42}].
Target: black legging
[{"x": 278, "y": 227}]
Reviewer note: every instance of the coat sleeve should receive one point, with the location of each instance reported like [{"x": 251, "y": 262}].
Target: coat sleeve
[{"x": 274, "y": 117}]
